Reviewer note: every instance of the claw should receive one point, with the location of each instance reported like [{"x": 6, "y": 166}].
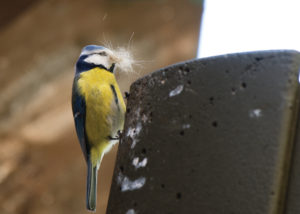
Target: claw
[{"x": 127, "y": 95}]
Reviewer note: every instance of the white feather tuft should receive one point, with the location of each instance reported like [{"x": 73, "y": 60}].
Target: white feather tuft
[{"x": 124, "y": 59}]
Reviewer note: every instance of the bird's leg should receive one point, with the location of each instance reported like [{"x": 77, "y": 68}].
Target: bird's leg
[
  {"x": 126, "y": 95},
  {"x": 119, "y": 134}
]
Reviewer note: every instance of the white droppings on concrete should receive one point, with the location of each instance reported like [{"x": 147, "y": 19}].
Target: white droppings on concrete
[
  {"x": 133, "y": 144},
  {"x": 120, "y": 178},
  {"x": 130, "y": 211},
  {"x": 176, "y": 91},
  {"x": 138, "y": 112},
  {"x": 133, "y": 133},
  {"x": 130, "y": 132},
  {"x": 255, "y": 113},
  {"x": 186, "y": 126},
  {"x": 135, "y": 161},
  {"x": 128, "y": 185},
  {"x": 144, "y": 118},
  {"x": 138, "y": 164}
]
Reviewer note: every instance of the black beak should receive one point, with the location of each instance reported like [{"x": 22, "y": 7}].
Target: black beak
[{"x": 111, "y": 69}]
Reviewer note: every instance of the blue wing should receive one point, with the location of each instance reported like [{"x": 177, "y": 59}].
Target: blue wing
[{"x": 79, "y": 109}]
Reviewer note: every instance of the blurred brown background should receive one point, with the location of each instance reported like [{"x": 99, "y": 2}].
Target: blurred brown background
[{"x": 42, "y": 169}]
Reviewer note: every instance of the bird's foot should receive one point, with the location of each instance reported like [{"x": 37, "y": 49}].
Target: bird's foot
[
  {"x": 126, "y": 95},
  {"x": 117, "y": 137},
  {"x": 119, "y": 134}
]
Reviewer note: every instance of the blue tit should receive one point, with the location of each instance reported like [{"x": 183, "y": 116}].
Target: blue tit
[{"x": 98, "y": 110}]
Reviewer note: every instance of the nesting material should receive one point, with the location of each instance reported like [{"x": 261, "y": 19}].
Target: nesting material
[{"x": 124, "y": 59}]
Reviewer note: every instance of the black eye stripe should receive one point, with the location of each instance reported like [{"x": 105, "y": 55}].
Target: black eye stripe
[{"x": 102, "y": 53}]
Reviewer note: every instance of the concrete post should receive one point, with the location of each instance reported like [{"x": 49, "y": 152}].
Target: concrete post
[{"x": 212, "y": 135}]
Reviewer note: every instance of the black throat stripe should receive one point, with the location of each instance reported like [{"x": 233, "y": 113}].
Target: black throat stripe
[{"x": 115, "y": 95}]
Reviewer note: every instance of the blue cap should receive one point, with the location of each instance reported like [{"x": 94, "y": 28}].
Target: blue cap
[{"x": 90, "y": 48}]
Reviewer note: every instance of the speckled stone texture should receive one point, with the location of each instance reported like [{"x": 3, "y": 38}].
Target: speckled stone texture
[{"x": 212, "y": 135}]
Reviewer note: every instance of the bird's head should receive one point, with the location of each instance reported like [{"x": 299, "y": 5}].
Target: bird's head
[{"x": 98, "y": 56}]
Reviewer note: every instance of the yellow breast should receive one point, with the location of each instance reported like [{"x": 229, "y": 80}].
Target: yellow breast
[{"x": 104, "y": 117}]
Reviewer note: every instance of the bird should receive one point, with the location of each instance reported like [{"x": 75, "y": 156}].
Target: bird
[{"x": 98, "y": 110}]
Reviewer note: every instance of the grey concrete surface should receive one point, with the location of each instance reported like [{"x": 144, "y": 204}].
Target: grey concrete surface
[
  {"x": 293, "y": 190},
  {"x": 213, "y": 135}
]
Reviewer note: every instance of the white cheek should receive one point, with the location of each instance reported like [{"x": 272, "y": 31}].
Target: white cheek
[{"x": 98, "y": 60}]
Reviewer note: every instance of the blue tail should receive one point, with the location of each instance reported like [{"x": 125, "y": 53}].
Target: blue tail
[{"x": 91, "y": 188}]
